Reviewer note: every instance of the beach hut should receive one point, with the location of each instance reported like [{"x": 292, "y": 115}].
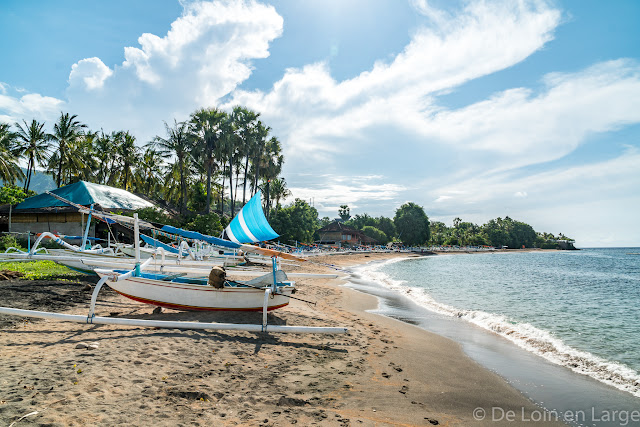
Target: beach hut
[
  {"x": 43, "y": 212},
  {"x": 342, "y": 234}
]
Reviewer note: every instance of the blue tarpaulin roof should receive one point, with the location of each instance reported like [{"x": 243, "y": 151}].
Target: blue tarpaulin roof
[{"x": 87, "y": 193}]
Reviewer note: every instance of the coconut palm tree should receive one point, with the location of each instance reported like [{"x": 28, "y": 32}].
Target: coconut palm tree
[
  {"x": 178, "y": 144},
  {"x": 103, "y": 149},
  {"x": 9, "y": 169},
  {"x": 279, "y": 190},
  {"x": 248, "y": 133},
  {"x": 32, "y": 142},
  {"x": 148, "y": 174},
  {"x": 127, "y": 154},
  {"x": 259, "y": 145},
  {"x": 272, "y": 162},
  {"x": 206, "y": 128},
  {"x": 65, "y": 131},
  {"x": 80, "y": 161}
]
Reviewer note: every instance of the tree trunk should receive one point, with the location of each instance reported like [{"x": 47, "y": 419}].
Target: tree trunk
[
  {"x": 60, "y": 166},
  {"x": 183, "y": 188},
  {"x": 268, "y": 182},
  {"x": 256, "y": 177},
  {"x": 224, "y": 176},
  {"x": 244, "y": 185},
  {"x": 233, "y": 206},
  {"x": 28, "y": 180},
  {"x": 237, "y": 183},
  {"x": 208, "y": 185}
]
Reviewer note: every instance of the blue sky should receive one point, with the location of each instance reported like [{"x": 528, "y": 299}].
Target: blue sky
[{"x": 476, "y": 109}]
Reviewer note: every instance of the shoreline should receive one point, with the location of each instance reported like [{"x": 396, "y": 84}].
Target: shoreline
[
  {"x": 551, "y": 385},
  {"x": 385, "y": 372}
]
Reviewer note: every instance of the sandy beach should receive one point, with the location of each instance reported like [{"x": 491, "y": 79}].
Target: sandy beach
[{"x": 384, "y": 372}]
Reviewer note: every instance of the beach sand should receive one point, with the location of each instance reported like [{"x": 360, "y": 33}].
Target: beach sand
[{"x": 384, "y": 372}]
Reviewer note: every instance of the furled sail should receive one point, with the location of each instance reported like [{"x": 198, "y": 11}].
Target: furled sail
[
  {"x": 198, "y": 236},
  {"x": 250, "y": 225}
]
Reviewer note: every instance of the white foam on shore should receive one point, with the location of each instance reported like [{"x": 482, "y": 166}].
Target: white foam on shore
[{"x": 524, "y": 335}]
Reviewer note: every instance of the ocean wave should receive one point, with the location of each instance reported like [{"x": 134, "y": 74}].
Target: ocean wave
[{"x": 524, "y": 335}]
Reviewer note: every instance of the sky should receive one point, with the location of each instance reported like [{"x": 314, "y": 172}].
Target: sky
[{"x": 471, "y": 109}]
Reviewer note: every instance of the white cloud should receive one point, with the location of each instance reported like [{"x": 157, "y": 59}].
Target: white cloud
[
  {"x": 15, "y": 107},
  {"x": 203, "y": 57},
  {"x": 309, "y": 106},
  {"x": 523, "y": 129},
  {"x": 91, "y": 73},
  {"x": 328, "y": 192}
]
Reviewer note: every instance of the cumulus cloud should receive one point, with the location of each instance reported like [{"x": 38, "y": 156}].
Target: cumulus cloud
[
  {"x": 90, "y": 73},
  {"x": 205, "y": 55},
  {"x": 14, "y": 106}
]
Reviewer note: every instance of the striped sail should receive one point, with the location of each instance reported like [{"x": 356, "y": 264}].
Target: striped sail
[{"x": 250, "y": 225}]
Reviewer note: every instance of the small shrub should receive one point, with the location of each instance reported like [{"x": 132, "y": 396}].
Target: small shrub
[{"x": 7, "y": 241}]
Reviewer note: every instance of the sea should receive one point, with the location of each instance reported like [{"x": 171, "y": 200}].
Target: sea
[{"x": 563, "y": 327}]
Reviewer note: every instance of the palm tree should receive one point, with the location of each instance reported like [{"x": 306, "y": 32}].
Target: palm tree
[
  {"x": 206, "y": 128},
  {"x": 272, "y": 162},
  {"x": 258, "y": 149},
  {"x": 228, "y": 149},
  {"x": 127, "y": 155},
  {"x": 248, "y": 133},
  {"x": 279, "y": 190},
  {"x": 148, "y": 175},
  {"x": 9, "y": 169},
  {"x": 179, "y": 144},
  {"x": 80, "y": 162},
  {"x": 32, "y": 143},
  {"x": 103, "y": 148},
  {"x": 67, "y": 129}
]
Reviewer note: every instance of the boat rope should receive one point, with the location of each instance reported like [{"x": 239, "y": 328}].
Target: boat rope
[{"x": 278, "y": 293}]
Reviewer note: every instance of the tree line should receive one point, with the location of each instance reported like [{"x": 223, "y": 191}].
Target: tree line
[
  {"x": 412, "y": 227},
  {"x": 213, "y": 160}
]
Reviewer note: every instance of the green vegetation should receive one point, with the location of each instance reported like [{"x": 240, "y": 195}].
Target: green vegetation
[
  {"x": 295, "y": 223},
  {"x": 40, "y": 270},
  {"x": 412, "y": 224},
  {"x": 215, "y": 160},
  {"x": 374, "y": 233},
  {"x": 496, "y": 232},
  {"x": 8, "y": 241},
  {"x": 12, "y": 194}
]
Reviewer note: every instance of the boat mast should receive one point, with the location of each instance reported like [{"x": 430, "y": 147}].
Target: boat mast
[{"x": 136, "y": 242}]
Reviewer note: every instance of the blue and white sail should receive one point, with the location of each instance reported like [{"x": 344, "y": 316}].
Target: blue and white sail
[{"x": 250, "y": 225}]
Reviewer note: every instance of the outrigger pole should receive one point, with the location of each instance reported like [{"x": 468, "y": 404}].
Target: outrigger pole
[{"x": 97, "y": 320}]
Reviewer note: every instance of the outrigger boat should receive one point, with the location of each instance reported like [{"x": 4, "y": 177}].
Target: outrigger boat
[
  {"x": 196, "y": 294},
  {"x": 185, "y": 293}
]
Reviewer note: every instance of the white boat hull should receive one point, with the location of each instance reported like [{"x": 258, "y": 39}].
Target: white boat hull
[{"x": 195, "y": 297}]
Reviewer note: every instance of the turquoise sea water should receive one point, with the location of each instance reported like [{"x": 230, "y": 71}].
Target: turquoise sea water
[{"x": 579, "y": 309}]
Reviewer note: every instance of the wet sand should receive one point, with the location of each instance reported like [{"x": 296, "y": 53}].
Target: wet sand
[{"x": 384, "y": 372}]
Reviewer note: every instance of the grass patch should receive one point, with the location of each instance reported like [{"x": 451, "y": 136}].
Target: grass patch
[{"x": 40, "y": 270}]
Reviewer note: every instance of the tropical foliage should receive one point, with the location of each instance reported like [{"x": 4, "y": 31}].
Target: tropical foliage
[
  {"x": 497, "y": 232},
  {"x": 215, "y": 160}
]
